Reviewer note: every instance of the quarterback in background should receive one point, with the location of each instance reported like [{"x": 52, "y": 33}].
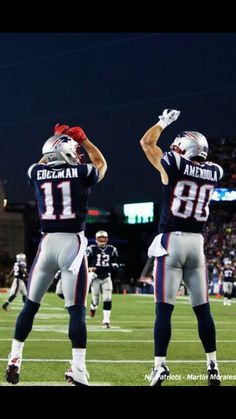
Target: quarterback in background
[
  {"x": 188, "y": 182},
  {"x": 102, "y": 262},
  {"x": 19, "y": 283}
]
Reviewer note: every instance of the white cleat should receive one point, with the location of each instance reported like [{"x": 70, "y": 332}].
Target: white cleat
[
  {"x": 77, "y": 376},
  {"x": 158, "y": 375}
]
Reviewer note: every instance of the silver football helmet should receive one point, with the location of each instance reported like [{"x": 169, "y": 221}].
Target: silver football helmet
[
  {"x": 191, "y": 144},
  {"x": 60, "y": 149},
  {"x": 21, "y": 257}
]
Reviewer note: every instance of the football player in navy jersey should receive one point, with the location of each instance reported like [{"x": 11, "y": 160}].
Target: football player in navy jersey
[
  {"x": 102, "y": 261},
  {"x": 19, "y": 283},
  {"x": 227, "y": 276},
  {"x": 188, "y": 181},
  {"x": 62, "y": 187}
]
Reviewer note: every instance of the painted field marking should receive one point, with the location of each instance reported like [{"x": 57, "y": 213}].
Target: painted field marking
[
  {"x": 51, "y": 383},
  {"x": 120, "y": 340},
  {"x": 126, "y": 361}
]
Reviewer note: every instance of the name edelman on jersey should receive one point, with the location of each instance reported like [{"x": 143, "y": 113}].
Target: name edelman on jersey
[
  {"x": 201, "y": 173},
  {"x": 64, "y": 173}
]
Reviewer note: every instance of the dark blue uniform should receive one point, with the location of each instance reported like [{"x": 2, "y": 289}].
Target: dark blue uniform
[
  {"x": 228, "y": 274},
  {"x": 188, "y": 193},
  {"x": 104, "y": 259},
  {"x": 62, "y": 194}
]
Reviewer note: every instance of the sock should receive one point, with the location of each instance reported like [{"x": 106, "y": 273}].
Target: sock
[
  {"x": 158, "y": 361},
  {"x": 78, "y": 358},
  {"x": 106, "y": 316},
  {"x": 206, "y": 327},
  {"x": 211, "y": 356},
  {"x": 17, "y": 348},
  {"x": 162, "y": 328}
]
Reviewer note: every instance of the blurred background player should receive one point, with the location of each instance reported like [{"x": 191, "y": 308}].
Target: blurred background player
[
  {"x": 62, "y": 186},
  {"x": 146, "y": 277},
  {"x": 19, "y": 283},
  {"x": 188, "y": 182},
  {"x": 227, "y": 277},
  {"x": 102, "y": 261}
]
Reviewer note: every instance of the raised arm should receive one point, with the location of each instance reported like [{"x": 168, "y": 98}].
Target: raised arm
[
  {"x": 149, "y": 141},
  {"x": 95, "y": 155}
]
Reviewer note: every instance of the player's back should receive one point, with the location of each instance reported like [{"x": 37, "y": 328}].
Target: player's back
[
  {"x": 186, "y": 197},
  {"x": 228, "y": 274},
  {"x": 62, "y": 194}
]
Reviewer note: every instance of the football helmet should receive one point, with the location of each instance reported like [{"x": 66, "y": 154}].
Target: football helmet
[
  {"x": 101, "y": 238},
  {"x": 60, "y": 149},
  {"x": 191, "y": 144},
  {"x": 21, "y": 257}
]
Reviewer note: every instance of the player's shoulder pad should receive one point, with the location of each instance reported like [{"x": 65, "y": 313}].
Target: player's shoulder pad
[
  {"x": 30, "y": 170},
  {"x": 221, "y": 171},
  {"x": 171, "y": 157},
  {"x": 218, "y": 167},
  {"x": 90, "y": 168}
]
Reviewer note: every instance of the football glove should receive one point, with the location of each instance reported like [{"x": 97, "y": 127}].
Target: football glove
[
  {"x": 61, "y": 129},
  {"x": 168, "y": 116},
  {"x": 77, "y": 134}
]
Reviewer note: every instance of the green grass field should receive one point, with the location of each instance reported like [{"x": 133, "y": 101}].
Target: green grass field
[{"x": 122, "y": 355}]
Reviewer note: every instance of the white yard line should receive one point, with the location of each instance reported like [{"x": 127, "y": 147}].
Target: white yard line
[
  {"x": 51, "y": 383},
  {"x": 95, "y": 329},
  {"x": 125, "y": 361},
  {"x": 120, "y": 340}
]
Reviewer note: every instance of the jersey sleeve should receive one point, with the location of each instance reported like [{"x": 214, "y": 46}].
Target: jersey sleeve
[
  {"x": 91, "y": 174},
  {"x": 89, "y": 251},
  {"x": 220, "y": 171},
  {"x": 114, "y": 255},
  {"x": 31, "y": 173},
  {"x": 171, "y": 162}
]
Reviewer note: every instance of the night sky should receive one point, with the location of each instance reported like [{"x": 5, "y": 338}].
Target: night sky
[{"x": 114, "y": 85}]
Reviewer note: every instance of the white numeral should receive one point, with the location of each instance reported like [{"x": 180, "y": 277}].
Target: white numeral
[
  {"x": 191, "y": 200},
  {"x": 49, "y": 213}
]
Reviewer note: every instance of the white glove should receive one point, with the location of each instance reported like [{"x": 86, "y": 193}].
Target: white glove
[{"x": 168, "y": 116}]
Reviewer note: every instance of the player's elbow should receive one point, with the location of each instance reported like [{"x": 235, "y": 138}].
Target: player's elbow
[
  {"x": 102, "y": 171},
  {"x": 145, "y": 142}
]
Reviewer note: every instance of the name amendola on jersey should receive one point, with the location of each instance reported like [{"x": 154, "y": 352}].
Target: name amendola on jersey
[
  {"x": 198, "y": 172},
  {"x": 60, "y": 174}
]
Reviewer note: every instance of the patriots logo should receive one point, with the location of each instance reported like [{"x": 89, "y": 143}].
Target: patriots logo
[
  {"x": 61, "y": 139},
  {"x": 64, "y": 139}
]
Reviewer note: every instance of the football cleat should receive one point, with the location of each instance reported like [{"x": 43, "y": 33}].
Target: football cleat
[
  {"x": 77, "y": 376},
  {"x": 106, "y": 325},
  {"x": 213, "y": 374},
  {"x": 92, "y": 312},
  {"x": 12, "y": 374},
  {"x": 5, "y": 306},
  {"x": 158, "y": 375}
]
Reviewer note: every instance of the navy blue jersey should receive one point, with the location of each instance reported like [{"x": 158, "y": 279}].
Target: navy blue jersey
[
  {"x": 62, "y": 194},
  {"x": 186, "y": 198},
  {"x": 228, "y": 274},
  {"x": 103, "y": 259}
]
